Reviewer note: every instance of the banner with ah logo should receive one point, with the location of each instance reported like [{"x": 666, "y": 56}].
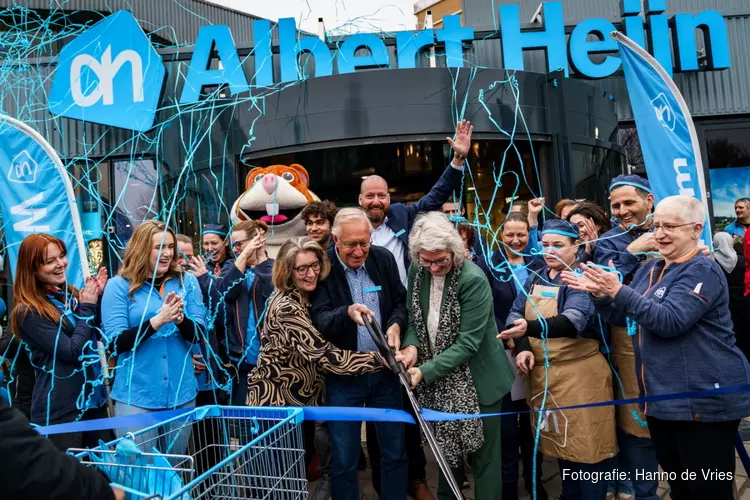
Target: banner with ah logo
[
  {"x": 110, "y": 75},
  {"x": 665, "y": 128},
  {"x": 36, "y": 196}
]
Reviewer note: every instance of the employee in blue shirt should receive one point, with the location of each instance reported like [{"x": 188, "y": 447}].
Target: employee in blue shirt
[
  {"x": 627, "y": 247},
  {"x": 153, "y": 314},
  {"x": 739, "y": 226},
  {"x": 243, "y": 289},
  {"x": 59, "y": 324},
  {"x": 567, "y": 369},
  {"x": 510, "y": 269},
  {"x": 677, "y": 312}
]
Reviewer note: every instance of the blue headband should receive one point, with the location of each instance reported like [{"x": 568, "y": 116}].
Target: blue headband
[
  {"x": 214, "y": 231},
  {"x": 561, "y": 233},
  {"x": 626, "y": 183}
]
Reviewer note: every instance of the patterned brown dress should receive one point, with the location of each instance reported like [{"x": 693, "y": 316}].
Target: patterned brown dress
[{"x": 293, "y": 356}]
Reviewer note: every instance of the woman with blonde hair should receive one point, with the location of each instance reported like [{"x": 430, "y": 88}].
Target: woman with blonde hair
[
  {"x": 59, "y": 324},
  {"x": 152, "y": 314}
]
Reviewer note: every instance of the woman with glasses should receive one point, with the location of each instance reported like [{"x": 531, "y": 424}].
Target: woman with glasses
[
  {"x": 460, "y": 365},
  {"x": 294, "y": 356},
  {"x": 558, "y": 348},
  {"x": 240, "y": 294},
  {"x": 677, "y": 313}
]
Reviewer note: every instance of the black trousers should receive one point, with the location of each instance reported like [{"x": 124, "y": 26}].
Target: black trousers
[
  {"x": 699, "y": 448},
  {"x": 412, "y": 442},
  {"x": 81, "y": 439},
  {"x": 515, "y": 433}
]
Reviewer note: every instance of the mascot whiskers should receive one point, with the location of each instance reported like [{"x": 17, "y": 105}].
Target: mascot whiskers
[{"x": 276, "y": 195}]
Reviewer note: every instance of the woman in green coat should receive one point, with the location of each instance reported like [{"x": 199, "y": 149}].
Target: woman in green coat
[{"x": 459, "y": 365}]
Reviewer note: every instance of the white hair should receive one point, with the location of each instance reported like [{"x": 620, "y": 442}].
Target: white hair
[
  {"x": 347, "y": 215},
  {"x": 433, "y": 231},
  {"x": 687, "y": 208}
]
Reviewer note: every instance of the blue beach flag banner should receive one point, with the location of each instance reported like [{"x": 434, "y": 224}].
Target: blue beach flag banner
[
  {"x": 36, "y": 196},
  {"x": 665, "y": 128}
]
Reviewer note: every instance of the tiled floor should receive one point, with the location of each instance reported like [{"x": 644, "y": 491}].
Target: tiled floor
[{"x": 551, "y": 476}]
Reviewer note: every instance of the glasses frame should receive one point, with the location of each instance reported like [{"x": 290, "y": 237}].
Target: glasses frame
[{"x": 297, "y": 270}]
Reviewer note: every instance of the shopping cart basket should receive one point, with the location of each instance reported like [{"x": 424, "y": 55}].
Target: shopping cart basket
[{"x": 213, "y": 452}]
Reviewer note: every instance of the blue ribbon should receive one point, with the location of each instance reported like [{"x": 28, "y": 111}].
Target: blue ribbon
[{"x": 360, "y": 414}]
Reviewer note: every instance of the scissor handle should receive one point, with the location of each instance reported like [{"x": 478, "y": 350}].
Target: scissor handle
[{"x": 385, "y": 350}]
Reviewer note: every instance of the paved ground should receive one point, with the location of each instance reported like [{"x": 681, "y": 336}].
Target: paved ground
[{"x": 551, "y": 476}]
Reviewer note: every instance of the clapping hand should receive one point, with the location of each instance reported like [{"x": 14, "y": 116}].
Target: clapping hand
[
  {"x": 594, "y": 280},
  {"x": 90, "y": 293},
  {"x": 197, "y": 266},
  {"x": 171, "y": 312}
]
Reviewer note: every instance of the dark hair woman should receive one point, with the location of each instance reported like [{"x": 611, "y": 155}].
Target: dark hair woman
[{"x": 592, "y": 222}]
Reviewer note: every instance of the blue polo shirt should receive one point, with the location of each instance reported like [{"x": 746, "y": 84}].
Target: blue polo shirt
[{"x": 158, "y": 373}]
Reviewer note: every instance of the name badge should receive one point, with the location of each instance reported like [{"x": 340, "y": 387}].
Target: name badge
[{"x": 373, "y": 289}]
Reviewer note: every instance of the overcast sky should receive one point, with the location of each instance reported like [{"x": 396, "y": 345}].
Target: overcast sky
[{"x": 348, "y": 15}]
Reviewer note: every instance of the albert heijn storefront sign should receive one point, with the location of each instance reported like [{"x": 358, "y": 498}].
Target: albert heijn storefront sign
[{"x": 107, "y": 78}]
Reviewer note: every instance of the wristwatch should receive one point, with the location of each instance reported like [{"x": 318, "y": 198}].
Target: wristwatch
[{"x": 458, "y": 157}]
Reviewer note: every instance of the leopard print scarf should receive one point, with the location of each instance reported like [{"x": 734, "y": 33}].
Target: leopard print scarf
[{"x": 454, "y": 393}]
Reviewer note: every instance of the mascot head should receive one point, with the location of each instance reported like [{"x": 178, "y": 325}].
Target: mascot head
[{"x": 276, "y": 195}]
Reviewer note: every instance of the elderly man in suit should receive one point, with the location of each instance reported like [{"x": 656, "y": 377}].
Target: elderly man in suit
[{"x": 364, "y": 280}]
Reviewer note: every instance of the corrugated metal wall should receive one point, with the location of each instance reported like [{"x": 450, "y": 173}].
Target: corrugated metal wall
[
  {"x": 707, "y": 93},
  {"x": 174, "y": 20}
]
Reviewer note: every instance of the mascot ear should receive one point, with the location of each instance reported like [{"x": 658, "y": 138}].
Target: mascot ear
[
  {"x": 251, "y": 175},
  {"x": 300, "y": 170}
]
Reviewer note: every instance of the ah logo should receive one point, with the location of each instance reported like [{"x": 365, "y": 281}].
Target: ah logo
[
  {"x": 664, "y": 112},
  {"x": 660, "y": 292},
  {"x": 110, "y": 75},
  {"x": 23, "y": 169}
]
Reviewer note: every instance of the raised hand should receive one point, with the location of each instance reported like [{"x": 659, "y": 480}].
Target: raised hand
[
  {"x": 171, "y": 311},
  {"x": 517, "y": 330},
  {"x": 461, "y": 142},
  {"x": 197, "y": 266}
]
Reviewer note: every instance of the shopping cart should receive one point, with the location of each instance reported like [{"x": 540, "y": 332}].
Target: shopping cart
[{"x": 213, "y": 452}]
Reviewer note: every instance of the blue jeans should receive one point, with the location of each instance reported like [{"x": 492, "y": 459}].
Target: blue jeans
[
  {"x": 377, "y": 390},
  {"x": 171, "y": 439},
  {"x": 636, "y": 454},
  {"x": 574, "y": 489}
]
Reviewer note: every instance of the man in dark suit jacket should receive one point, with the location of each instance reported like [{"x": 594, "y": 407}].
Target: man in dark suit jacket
[{"x": 364, "y": 279}]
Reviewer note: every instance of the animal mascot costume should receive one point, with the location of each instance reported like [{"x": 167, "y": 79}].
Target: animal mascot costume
[{"x": 276, "y": 195}]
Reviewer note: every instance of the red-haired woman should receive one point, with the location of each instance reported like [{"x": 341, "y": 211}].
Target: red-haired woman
[{"x": 59, "y": 324}]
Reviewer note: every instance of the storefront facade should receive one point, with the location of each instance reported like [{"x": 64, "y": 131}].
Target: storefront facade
[{"x": 537, "y": 131}]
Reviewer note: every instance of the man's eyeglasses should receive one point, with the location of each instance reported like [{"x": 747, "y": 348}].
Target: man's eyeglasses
[
  {"x": 438, "y": 262},
  {"x": 303, "y": 270},
  {"x": 351, "y": 245},
  {"x": 670, "y": 228}
]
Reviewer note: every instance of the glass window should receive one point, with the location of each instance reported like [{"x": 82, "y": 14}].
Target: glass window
[
  {"x": 592, "y": 170},
  {"x": 628, "y": 139},
  {"x": 136, "y": 197}
]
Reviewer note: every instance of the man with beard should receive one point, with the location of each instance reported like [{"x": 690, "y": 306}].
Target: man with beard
[
  {"x": 391, "y": 225},
  {"x": 627, "y": 246}
]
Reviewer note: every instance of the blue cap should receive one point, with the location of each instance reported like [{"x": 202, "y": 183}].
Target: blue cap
[
  {"x": 561, "y": 227},
  {"x": 630, "y": 180},
  {"x": 215, "y": 229}
]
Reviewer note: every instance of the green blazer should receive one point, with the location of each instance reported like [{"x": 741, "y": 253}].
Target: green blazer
[{"x": 477, "y": 340}]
